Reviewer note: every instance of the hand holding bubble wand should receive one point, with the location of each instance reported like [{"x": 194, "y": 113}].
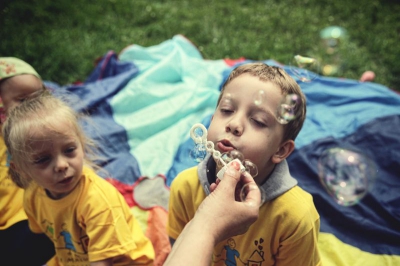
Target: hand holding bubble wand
[{"x": 198, "y": 133}]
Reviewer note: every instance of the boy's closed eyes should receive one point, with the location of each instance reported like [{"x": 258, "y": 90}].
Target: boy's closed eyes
[{"x": 258, "y": 115}]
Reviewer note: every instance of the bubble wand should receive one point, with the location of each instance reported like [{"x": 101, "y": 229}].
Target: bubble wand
[
  {"x": 209, "y": 145},
  {"x": 230, "y": 157}
]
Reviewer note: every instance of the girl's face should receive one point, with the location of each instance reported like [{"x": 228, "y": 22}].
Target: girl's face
[
  {"x": 56, "y": 161},
  {"x": 16, "y": 89},
  {"x": 242, "y": 122}
]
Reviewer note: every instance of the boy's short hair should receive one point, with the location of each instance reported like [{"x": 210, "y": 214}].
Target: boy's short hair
[{"x": 279, "y": 77}]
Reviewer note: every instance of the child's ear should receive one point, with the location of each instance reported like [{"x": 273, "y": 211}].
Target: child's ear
[
  {"x": 283, "y": 152},
  {"x": 12, "y": 166},
  {"x": 16, "y": 177}
]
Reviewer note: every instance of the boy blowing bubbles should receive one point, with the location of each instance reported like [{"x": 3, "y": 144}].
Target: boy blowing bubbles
[{"x": 287, "y": 228}]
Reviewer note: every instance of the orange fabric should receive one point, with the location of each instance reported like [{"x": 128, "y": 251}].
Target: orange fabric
[
  {"x": 156, "y": 229},
  {"x": 157, "y": 233},
  {"x": 232, "y": 62}
]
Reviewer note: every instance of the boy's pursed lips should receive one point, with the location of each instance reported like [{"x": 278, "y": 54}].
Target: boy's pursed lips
[{"x": 225, "y": 146}]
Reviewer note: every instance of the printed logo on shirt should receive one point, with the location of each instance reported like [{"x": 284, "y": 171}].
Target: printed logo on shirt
[{"x": 231, "y": 256}]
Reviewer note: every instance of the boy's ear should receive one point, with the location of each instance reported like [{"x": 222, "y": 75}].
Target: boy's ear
[{"x": 283, "y": 152}]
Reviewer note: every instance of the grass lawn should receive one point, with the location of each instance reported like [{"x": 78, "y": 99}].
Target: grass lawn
[{"x": 62, "y": 38}]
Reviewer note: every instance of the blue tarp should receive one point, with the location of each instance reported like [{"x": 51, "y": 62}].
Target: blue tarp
[{"x": 144, "y": 103}]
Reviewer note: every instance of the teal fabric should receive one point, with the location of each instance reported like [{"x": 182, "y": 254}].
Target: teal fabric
[{"x": 175, "y": 88}]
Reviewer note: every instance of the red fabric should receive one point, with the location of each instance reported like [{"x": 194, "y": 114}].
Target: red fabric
[{"x": 232, "y": 62}]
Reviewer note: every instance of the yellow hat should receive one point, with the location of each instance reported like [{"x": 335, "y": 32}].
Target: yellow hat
[{"x": 11, "y": 66}]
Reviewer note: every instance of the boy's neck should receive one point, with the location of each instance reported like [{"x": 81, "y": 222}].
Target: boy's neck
[{"x": 260, "y": 180}]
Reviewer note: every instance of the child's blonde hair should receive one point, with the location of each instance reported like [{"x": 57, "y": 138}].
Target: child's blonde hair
[
  {"x": 41, "y": 112},
  {"x": 287, "y": 84}
]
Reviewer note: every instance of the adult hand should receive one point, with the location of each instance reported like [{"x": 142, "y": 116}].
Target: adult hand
[
  {"x": 221, "y": 211},
  {"x": 219, "y": 217}
]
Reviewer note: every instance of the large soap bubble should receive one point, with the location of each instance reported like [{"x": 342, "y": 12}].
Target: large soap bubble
[
  {"x": 289, "y": 108},
  {"x": 346, "y": 175}
]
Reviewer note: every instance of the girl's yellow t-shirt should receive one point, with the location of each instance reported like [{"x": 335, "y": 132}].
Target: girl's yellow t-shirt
[{"x": 11, "y": 207}]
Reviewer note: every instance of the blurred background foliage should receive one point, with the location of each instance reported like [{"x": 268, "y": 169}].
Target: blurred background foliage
[{"x": 63, "y": 38}]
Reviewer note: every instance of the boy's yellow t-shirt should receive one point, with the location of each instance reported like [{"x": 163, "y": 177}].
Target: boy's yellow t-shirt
[{"x": 286, "y": 232}]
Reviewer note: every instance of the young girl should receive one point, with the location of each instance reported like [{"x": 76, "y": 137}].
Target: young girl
[
  {"x": 86, "y": 217},
  {"x": 18, "y": 81}
]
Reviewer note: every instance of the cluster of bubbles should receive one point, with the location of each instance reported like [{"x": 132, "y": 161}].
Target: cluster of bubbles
[
  {"x": 288, "y": 108},
  {"x": 198, "y": 133},
  {"x": 306, "y": 68},
  {"x": 346, "y": 175}
]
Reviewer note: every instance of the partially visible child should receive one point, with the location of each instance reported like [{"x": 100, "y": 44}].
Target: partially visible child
[
  {"x": 85, "y": 216},
  {"x": 245, "y": 120},
  {"x": 18, "y": 245}
]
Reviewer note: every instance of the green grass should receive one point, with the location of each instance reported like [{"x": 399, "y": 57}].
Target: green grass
[{"x": 62, "y": 38}]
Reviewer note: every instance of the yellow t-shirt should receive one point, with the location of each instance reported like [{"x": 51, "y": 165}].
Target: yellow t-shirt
[
  {"x": 11, "y": 196},
  {"x": 92, "y": 223},
  {"x": 286, "y": 232}
]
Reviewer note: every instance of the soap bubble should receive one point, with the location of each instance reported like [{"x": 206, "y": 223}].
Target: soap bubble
[
  {"x": 304, "y": 68},
  {"x": 198, "y": 133},
  {"x": 198, "y": 153},
  {"x": 227, "y": 157},
  {"x": 251, "y": 168},
  {"x": 332, "y": 36},
  {"x": 346, "y": 175},
  {"x": 259, "y": 97},
  {"x": 289, "y": 108},
  {"x": 232, "y": 155},
  {"x": 249, "y": 187},
  {"x": 335, "y": 41}
]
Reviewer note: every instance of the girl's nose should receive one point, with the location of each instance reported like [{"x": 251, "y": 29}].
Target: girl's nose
[{"x": 61, "y": 164}]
